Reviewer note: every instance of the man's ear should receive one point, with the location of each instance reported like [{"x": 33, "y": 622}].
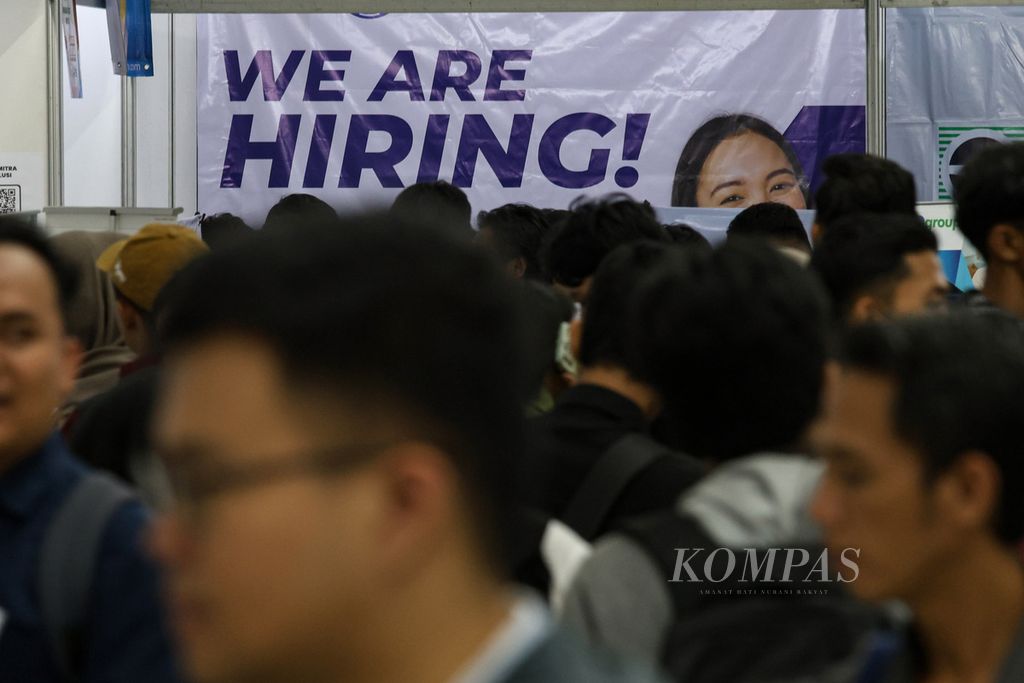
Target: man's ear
[
  {"x": 130, "y": 318},
  {"x": 866, "y": 308},
  {"x": 1006, "y": 243},
  {"x": 420, "y": 492},
  {"x": 517, "y": 267},
  {"x": 970, "y": 491}
]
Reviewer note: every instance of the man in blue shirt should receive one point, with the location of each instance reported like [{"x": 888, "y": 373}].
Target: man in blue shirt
[{"x": 121, "y": 636}]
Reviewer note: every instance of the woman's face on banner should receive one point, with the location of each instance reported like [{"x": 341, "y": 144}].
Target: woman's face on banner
[{"x": 745, "y": 170}]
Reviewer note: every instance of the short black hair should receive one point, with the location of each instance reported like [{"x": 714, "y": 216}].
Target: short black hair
[
  {"x": 592, "y": 229},
  {"x": 222, "y": 229},
  {"x": 709, "y": 136},
  {"x": 735, "y": 343},
  {"x": 863, "y": 251},
  {"x": 402, "y": 318},
  {"x": 606, "y": 328},
  {"x": 687, "y": 235},
  {"x": 19, "y": 232},
  {"x": 959, "y": 383},
  {"x": 990, "y": 191},
  {"x": 778, "y": 223},
  {"x": 555, "y": 217},
  {"x": 297, "y": 211},
  {"x": 519, "y": 231},
  {"x": 444, "y": 204},
  {"x": 863, "y": 183}
]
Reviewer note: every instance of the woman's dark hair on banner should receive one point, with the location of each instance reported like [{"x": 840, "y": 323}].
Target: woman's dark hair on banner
[{"x": 739, "y": 160}]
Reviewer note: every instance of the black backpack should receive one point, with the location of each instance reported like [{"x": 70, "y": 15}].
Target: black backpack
[
  {"x": 67, "y": 566},
  {"x": 588, "y": 510},
  {"x": 758, "y": 630}
]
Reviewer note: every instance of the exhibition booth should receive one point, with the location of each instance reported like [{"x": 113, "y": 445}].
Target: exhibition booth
[{"x": 533, "y": 102}]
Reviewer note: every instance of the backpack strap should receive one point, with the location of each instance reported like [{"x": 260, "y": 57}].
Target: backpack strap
[
  {"x": 67, "y": 564},
  {"x": 614, "y": 470}
]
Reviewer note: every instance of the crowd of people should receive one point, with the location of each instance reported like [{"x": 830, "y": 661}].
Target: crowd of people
[{"x": 542, "y": 445}]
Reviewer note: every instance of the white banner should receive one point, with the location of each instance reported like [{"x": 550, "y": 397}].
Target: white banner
[{"x": 536, "y": 108}]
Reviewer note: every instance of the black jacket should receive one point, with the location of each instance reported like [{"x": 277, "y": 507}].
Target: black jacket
[{"x": 564, "y": 445}]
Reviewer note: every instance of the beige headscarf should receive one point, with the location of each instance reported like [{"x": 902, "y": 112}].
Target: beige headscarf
[{"x": 92, "y": 315}]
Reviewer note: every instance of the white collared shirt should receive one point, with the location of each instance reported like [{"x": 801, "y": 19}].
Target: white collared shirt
[{"x": 527, "y": 626}]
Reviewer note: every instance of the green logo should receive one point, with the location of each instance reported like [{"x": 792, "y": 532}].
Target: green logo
[{"x": 957, "y": 144}]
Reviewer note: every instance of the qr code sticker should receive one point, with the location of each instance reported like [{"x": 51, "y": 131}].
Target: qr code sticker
[{"x": 10, "y": 198}]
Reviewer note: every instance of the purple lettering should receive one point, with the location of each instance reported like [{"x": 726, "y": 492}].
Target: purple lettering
[
  {"x": 550, "y": 152},
  {"x": 320, "y": 150},
  {"x": 478, "y": 138},
  {"x": 433, "y": 148},
  {"x": 498, "y": 74},
  {"x": 636, "y": 129},
  {"x": 318, "y": 74},
  {"x": 262, "y": 65},
  {"x": 241, "y": 148},
  {"x": 444, "y": 80},
  {"x": 404, "y": 61},
  {"x": 383, "y": 163}
]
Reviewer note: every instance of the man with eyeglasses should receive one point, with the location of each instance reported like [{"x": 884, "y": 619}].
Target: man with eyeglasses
[
  {"x": 78, "y": 595},
  {"x": 341, "y": 419}
]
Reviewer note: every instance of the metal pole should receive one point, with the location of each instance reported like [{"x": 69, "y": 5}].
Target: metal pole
[
  {"x": 55, "y": 107},
  {"x": 876, "y": 76},
  {"x": 170, "y": 112},
  {"x": 128, "y": 156}
]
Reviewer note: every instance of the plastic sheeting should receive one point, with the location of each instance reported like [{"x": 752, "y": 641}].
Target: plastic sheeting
[{"x": 954, "y": 75}]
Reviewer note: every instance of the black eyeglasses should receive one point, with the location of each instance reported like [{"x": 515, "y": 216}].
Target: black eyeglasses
[{"x": 193, "y": 487}]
